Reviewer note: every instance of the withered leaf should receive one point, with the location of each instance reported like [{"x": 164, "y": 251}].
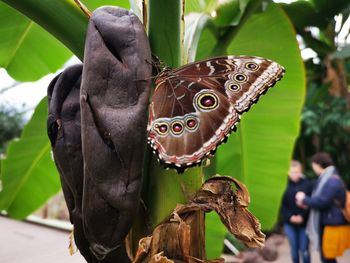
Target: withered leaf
[
  {"x": 160, "y": 258},
  {"x": 217, "y": 194},
  {"x": 174, "y": 239},
  {"x": 143, "y": 249}
]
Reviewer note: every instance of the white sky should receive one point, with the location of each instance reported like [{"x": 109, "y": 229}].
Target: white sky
[{"x": 26, "y": 95}]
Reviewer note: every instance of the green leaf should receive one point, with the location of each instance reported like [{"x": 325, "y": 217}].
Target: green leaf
[
  {"x": 196, "y": 24},
  {"x": 24, "y": 43},
  {"x": 230, "y": 13},
  {"x": 303, "y": 14},
  {"x": 203, "y": 31},
  {"x": 318, "y": 13},
  {"x": 200, "y": 6},
  {"x": 227, "y": 33},
  {"x": 260, "y": 151},
  {"x": 328, "y": 8},
  {"x": 225, "y": 13},
  {"x": 29, "y": 175},
  {"x": 164, "y": 31},
  {"x": 206, "y": 43},
  {"x": 215, "y": 233},
  {"x": 93, "y": 4}
]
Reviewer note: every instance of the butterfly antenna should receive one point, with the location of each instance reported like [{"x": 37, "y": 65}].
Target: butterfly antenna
[
  {"x": 153, "y": 75},
  {"x": 155, "y": 59},
  {"x": 159, "y": 65},
  {"x": 157, "y": 68},
  {"x": 156, "y": 65}
]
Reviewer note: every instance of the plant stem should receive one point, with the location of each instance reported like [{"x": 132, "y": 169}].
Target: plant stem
[
  {"x": 166, "y": 188},
  {"x": 164, "y": 30}
]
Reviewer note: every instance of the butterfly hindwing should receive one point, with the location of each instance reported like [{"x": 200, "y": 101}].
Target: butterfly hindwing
[
  {"x": 192, "y": 127},
  {"x": 195, "y": 107}
]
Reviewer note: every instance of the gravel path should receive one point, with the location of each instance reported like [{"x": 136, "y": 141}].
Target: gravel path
[
  {"x": 284, "y": 255},
  {"x": 22, "y": 242}
]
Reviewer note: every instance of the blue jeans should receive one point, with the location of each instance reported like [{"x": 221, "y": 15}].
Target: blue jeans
[{"x": 298, "y": 242}]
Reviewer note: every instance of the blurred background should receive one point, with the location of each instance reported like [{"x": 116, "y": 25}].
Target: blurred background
[{"x": 321, "y": 30}]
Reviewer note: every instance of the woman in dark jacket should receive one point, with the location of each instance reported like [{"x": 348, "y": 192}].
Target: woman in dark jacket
[
  {"x": 294, "y": 217},
  {"x": 326, "y": 203}
]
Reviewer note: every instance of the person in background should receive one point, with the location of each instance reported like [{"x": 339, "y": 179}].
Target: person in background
[
  {"x": 294, "y": 217},
  {"x": 327, "y": 228}
]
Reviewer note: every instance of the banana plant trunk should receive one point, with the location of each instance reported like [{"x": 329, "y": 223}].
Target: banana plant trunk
[{"x": 165, "y": 188}]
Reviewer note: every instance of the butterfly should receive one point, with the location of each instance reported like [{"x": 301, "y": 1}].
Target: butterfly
[{"x": 194, "y": 108}]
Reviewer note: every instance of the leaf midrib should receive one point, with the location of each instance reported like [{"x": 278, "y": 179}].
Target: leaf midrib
[
  {"x": 19, "y": 43},
  {"x": 33, "y": 164}
]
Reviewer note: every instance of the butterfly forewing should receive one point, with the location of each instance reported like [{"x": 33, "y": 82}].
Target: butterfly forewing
[{"x": 195, "y": 107}]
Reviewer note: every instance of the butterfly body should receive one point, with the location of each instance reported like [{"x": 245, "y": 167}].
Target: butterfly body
[{"x": 195, "y": 107}]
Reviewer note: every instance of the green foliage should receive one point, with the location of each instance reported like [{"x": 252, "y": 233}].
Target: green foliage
[
  {"x": 28, "y": 174},
  {"x": 225, "y": 16},
  {"x": 11, "y": 124},
  {"x": 327, "y": 9},
  {"x": 24, "y": 42},
  {"x": 199, "y": 28},
  {"x": 28, "y": 167},
  {"x": 302, "y": 14},
  {"x": 325, "y": 118},
  {"x": 317, "y": 13},
  {"x": 164, "y": 31},
  {"x": 325, "y": 127},
  {"x": 200, "y": 6},
  {"x": 255, "y": 153},
  {"x": 215, "y": 233},
  {"x": 259, "y": 153}
]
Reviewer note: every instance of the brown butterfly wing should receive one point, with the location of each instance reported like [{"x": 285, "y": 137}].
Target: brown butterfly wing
[
  {"x": 242, "y": 78},
  {"x": 190, "y": 121},
  {"x": 195, "y": 107}
]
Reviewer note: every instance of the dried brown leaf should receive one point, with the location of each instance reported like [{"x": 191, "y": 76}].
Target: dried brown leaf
[
  {"x": 178, "y": 238},
  {"x": 144, "y": 247},
  {"x": 159, "y": 258},
  {"x": 217, "y": 194},
  {"x": 72, "y": 247}
]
